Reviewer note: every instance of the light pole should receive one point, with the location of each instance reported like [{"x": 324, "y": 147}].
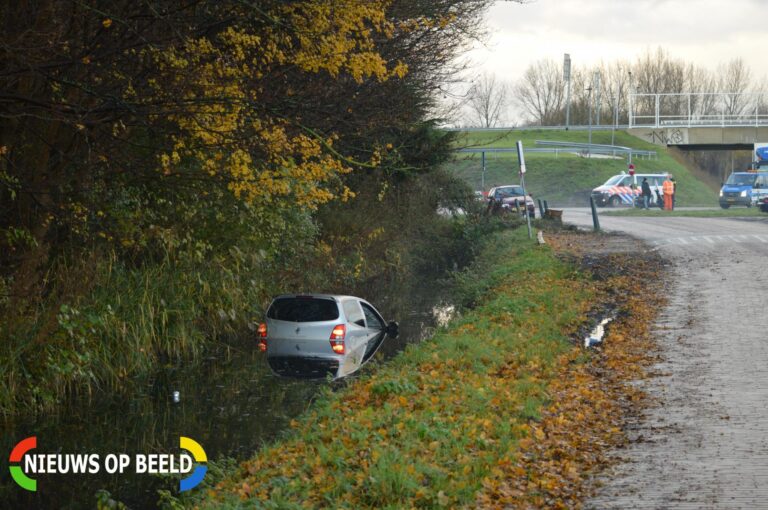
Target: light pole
[
  {"x": 616, "y": 113},
  {"x": 596, "y": 79},
  {"x": 567, "y": 78},
  {"x": 589, "y": 148},
  {"x": 630, "y": 99}
]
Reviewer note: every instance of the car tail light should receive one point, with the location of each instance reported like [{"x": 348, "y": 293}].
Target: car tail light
[
  {"x": 262, "y": 336},
  {"x": 337, "y": 338}
]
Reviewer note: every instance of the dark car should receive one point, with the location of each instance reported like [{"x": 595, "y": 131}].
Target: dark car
[{"x": 507, "y": 197}]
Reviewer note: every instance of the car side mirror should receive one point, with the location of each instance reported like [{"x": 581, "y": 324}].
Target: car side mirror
[{"x": 393, "y": 329}]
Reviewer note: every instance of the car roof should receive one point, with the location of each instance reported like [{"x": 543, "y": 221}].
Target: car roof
[{"x": 334, "y": 297}]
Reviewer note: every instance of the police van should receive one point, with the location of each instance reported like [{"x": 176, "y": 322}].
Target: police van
[
  {"x": 744, "y": 188},
  {"x": 622, "y": 189}
]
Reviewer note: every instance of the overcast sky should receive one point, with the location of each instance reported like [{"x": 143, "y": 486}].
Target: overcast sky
[{"x": 704, "y": 32}]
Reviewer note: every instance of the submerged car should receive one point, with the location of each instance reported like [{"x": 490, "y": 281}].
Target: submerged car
[
  {"x": 318, "y": 334},
  {"x": 505, "y": 197}
]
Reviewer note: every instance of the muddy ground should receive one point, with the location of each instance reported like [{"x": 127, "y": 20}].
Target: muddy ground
[{"x": 703, "y": 443}]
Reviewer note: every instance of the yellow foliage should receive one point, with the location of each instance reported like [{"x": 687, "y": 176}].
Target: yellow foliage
[{"x": 261, "y": 157}]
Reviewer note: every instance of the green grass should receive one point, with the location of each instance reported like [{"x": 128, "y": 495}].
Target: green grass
[
  {"x": 427, "y": 427},
  {"x": 567, "y": 179},
  {"x": 130, "y": 320}
]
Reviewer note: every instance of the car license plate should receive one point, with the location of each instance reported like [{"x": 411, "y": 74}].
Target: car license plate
[{"x": 731, "y": 200}]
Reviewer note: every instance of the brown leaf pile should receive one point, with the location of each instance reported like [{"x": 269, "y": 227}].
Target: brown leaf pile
[{"x": 591, "y": 399}]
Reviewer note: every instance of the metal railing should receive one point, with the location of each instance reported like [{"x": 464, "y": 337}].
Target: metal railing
[
  {"x": 557, "y": 148},
  {"x": 697, "y": 110}
]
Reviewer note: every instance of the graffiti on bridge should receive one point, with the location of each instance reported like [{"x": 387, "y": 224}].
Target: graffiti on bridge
[{"x": 666, "y": 136}]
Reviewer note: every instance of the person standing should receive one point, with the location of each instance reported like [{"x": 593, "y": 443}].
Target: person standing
[
  {"x": 674, "y": 191},
  {"x": 668, "y": 188},
  {"x": 645, "y": 191}
]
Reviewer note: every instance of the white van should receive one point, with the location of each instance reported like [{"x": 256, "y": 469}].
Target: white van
[{"x": 623, "y": 188}]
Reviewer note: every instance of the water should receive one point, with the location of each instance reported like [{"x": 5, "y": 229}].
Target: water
[{"x": 230, "y": 403}]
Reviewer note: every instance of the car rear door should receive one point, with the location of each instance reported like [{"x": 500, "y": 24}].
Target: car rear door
[
  {"x": 356, "y": 338},
  {"x": 376, "y": 327}
]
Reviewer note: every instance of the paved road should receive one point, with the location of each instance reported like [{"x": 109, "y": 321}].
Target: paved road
[{"x": 706, "y": 444}]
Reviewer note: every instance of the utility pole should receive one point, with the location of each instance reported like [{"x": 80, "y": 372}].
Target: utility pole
[
  {"x": 482, "y": 178},
  {"x": 597, "y": 96},
  {"x": 630, "y": 100},
  {"x": 567, "y": 79},
  {"x": 615, "y": 115},
  {"x": 589, "y": 148}
]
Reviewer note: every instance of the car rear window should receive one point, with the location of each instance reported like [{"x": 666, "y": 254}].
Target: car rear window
[
  {"x": 303, "y": 309},
  {"x": 510, "y": 191}
]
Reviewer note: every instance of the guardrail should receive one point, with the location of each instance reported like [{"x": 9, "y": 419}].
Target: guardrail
[
  {"x": 570, "y": 148},
  {"x": 601, "y": 127}
]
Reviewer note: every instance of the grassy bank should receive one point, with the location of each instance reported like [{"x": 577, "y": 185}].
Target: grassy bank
[
  {"x": 110, "y": 319},
  {"x": 499, "y": 410},
  {"x": 429, "y": 427},
  {"x": 567, "y": 179}
]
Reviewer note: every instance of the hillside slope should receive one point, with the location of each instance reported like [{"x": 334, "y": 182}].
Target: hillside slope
[{"x": 567, "y": 179}]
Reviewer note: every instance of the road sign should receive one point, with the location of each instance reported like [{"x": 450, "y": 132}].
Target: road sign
[
  {"x": 521, "y": 156},
  {"x": 567, "y": 67}
]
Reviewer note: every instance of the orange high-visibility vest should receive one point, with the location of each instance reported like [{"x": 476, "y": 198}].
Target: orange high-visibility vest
[{"x": 668, "y": 187}]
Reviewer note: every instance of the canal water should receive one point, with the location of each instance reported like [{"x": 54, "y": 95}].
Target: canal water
[{"x": 230, "y": 403}]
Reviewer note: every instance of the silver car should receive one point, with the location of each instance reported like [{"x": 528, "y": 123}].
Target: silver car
[{"x": 313, "y": 335}]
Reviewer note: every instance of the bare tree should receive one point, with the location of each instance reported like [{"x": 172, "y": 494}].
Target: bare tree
[
  {"x": 734, "y": 80},
  {"x": 541, "y": 92},
  {"x": 701, "y": 83},
  {"x": 617, "y": 89},
  {"x": 486, "y": 101}
]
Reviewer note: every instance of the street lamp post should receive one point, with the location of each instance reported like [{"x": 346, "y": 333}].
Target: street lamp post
[
  {"x": 630, "y": 100},
  {"x": 589, "y": 148},
  {"x": 567, "y": 78},
  {"x": 596, "y": 79}
]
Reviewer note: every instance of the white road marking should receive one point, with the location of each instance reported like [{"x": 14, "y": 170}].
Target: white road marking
[{"x": 710, "y": 239}]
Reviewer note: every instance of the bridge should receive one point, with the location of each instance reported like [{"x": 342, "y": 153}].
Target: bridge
[{"x": 700, "y": 121}]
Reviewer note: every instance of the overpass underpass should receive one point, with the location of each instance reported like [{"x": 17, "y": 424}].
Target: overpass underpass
[{"x": 696, "y": 121}]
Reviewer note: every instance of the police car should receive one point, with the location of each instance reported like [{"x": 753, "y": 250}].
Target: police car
[{"x": 622, "y": 189}]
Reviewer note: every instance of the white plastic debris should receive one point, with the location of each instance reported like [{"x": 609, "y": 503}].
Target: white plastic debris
[{"x": 596, "y": 335}]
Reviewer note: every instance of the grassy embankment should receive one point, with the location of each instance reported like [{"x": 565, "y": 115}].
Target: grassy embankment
[
  {"x": 459, "y": 419},
  {"x": 567, "y": 179}
]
